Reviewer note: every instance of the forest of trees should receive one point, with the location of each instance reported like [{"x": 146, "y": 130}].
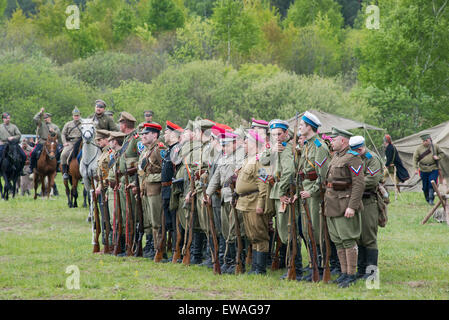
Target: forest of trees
[{"x": 228, "y": 60}]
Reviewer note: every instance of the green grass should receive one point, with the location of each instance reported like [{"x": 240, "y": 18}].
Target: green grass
[{"x": 39, "y": 239}]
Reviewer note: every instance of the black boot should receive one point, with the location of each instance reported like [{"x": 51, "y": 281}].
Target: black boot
[
  {"x": 261, "y": 265},
  {"x": 254, "y": 261},
  {"x": 148, "y": 250},
  {"x": 361, "y": 262},
  {"x": 227, "y": 260},
  {"x": 222, "y": 248},
  {"x": 208, "y": 261},
  {"x": 426, "y": 195},
  {"x": 431, "y": 196},
  {"x": 65, "y": 174},
  {"x": 282, "y": 253},
  {"x": 55, "y": 190},
  {"x": 232, "y": 259},
  {"x": 350, "y": 279},
  {"x": 197, "y": 247},
  {"x": 334, "y": 262},
  {"x": 122, "y": 246},
  {"x": 371, "y": 262}
]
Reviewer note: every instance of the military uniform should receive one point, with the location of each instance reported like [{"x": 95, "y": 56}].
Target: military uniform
[
  {"x": 344, "y": 189},
  {"x": 71, "y": 133},
  {"x": 367, "y": 244},
  {"x": 104, "y": 122},
  {"x": 428, "y": 167},
  {"x": 6, "y": 131},
  {"x": 252, "y": 190}
]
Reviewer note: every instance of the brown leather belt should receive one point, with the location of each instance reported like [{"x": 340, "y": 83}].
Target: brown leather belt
[
  {"x": 166, "y": 184},
  {"x": 342, "y": 186},
  {"x": 311, "y": 175},
  {"x": 244, "y": 194}
]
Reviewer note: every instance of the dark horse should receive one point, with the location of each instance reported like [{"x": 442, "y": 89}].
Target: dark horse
[
  {"x": 75, "y": 176},
  {"x": 11, "y": 166},
  {"x": 46, "y": 167}
]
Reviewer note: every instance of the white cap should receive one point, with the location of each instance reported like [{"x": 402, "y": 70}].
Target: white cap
[
  {"x": 311, "y": 119},
  {"x": 356, "y": 142}
]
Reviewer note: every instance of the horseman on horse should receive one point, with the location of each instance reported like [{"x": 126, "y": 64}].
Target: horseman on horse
[{"x": 71, "y": 134}]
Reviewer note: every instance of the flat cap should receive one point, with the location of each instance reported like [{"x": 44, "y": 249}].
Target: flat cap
[
  {"x": 425, "y": 136},
  {"x": 356, "y": 142},
  {"x": 101, "y": 134},
  {"x": 340, "y": 132},
  {"x": 100, "y": 103},
  {"x": 126, "y": 116},
  {"x": 311, "y": 119}
]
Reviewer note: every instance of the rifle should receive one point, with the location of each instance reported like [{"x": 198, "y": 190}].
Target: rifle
[
  {"x": 117, "y": 214},
  {"x": 137, "y": 245},
  {"x": 315, "y": 272},
  {"x": 239, "y": 264},
  {"x": 96, "y": 224},
  {"x": 291, "y": 272},
  {"x": 327, "y": 271},
  {"x": 216, "y": 262},
  {"x": 437, "y": 162},
  {"x": 107, "y": 247},
  {"x": 189, "y": 231},
  {"x": 275, "y": 261},
  {"x": 129, "y": 217}
]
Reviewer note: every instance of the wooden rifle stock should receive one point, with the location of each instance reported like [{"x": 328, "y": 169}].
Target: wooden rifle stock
[
  {"x": 117, "y": 215},
  {"x": 97, "y": 219},
  {"x": 138, "y": 250},
  {"x": 275, "y": 260},
  {"x": 327, "y": 271},
  {"x": 107, "y": 246}
]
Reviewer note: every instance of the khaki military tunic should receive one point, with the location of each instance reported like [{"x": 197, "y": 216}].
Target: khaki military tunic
[
  {"x": 150, "y": 167},
  {"x": 70, "y": 134},
  {"x": 112, "y": 196},
  {"x": 252, "y": 186},
  {"x": 313, "y": 166},
  {"x": 102, "y": 171},
  {"x": 427, "y": 164},
  {"x": 44, "y": 128},
  {"x": 372, "y": 165},
  {"x": 7, "y": 131},
  {"x": 104, "y": 122},
  {"x": 344, "y": 189}
]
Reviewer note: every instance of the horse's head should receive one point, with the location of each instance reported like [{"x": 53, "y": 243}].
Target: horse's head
[
  {"x": 51, "y": 146},
  {"x": 87, "y": 130}
]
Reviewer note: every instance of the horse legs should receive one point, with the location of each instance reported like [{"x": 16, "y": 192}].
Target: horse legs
[
  {"x": 51, "y": 182},
  {"x": 36, "y": 184},
  {"x": 68, "y": 193},
  {"x": 75, "y": 193},
  {"x": 43, "y": 188}
]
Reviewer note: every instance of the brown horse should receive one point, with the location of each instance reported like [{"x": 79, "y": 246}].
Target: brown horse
[
  {"x": 75, "y": 176},
  {"x": 46, "y": 167}
]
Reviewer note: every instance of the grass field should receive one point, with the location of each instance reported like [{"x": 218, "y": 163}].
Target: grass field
[{"x": 40, "y": 239}]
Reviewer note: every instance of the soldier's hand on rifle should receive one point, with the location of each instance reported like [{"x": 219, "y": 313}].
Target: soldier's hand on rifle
[
  {"x": 295, "y": 197},
  {"x": 285, "y": 199},
  {"x": 259, "y": 211},
  {"x": 349, "y": 213},
  {"x": 304, "y": 194},
  {"x": 436, "y": 158},
  {"x": 98, "y": 191}
]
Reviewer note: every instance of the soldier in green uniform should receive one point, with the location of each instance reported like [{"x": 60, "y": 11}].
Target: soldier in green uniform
[
  {"x": 115, "y": 144},
  {"x": 343, "y": 201},
  {"x": 148, "y": 115},
  {"x": 9, "y": 133},
  {"x": 101, "y": 139},
  {"x": 372, "y": 166},
  {"x": 425, "y": 163},
  {"x": 101, "y": 119},
  {"x": 150, "y": 165},
  {"x": 283, "y": 175},
  {"x": 71, "y": 133},
  {"x": 44, "y": 128},
  {"x": 252, "y": 189},
  {"x": 313, "y": 165},
  {"x": 127, "y": 159},
  {"x": 221, "y": 179}
]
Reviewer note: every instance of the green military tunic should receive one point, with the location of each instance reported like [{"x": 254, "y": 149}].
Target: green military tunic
[
  {"x": 44, "y": 128},
  {"x": 252, "y": 185},
  {"x": 372, "y": 165},
  {"x": 313, "y": 166},
  {"x": 283, "y": 172},
  {"x": 102, "y": 172},
  {"x": 427, "y": 163},
  {"x": 345, "y": 185},
  {"x": 7, "y": 131},
  {"x": 70, "y": 134},
  {"x": 104, "y": 122},
  {"x": 112, "y": 196}
]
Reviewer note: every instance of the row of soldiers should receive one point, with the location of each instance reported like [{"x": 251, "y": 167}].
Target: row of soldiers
[{"x": 207, "y": 193}]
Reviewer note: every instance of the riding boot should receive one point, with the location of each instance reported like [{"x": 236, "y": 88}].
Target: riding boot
[
  {"x": 261, "y": 264},
  {"x": 254, "y": 261},
  {"x": 222, "y": 248},
  {"x": 232, "y": 258},
  {"x": 361, "y": 262},
  {"x": 197, "y": 247},
  {"x": 298, "y": 263},
  {"x": 334, "y": 262},
  {"x": 282, "y": 253},
  {"x": 122, "y": 246},
  {"x": 371, "y": 262},
  {"x": 208, "y": 261},
  {"x": 426, "y": 195},
  {"x": 227, "y": 259},
  {"x": 148, "y": 245},
  {"x": 55, "y": 190},
  {"x": 65, "y": 174},
  {"x": 319, "y": 262}
]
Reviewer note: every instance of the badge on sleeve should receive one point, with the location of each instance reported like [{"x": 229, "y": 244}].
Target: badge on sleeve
[
  {"x": 140, "y": 147},
  {"x": 262, "y": 175}
]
